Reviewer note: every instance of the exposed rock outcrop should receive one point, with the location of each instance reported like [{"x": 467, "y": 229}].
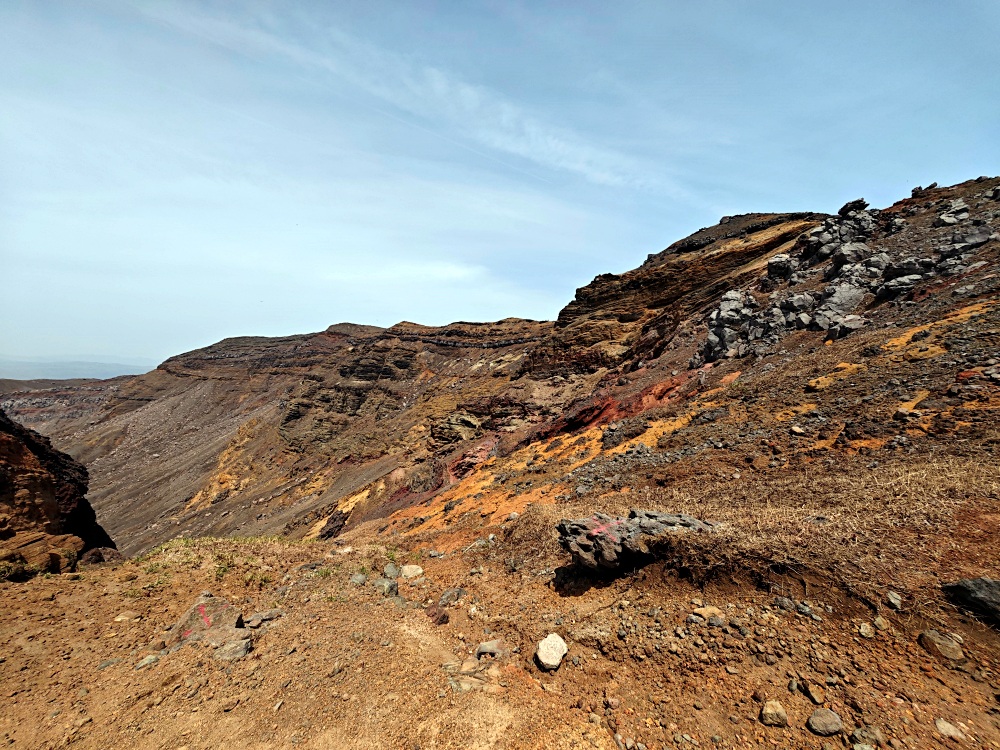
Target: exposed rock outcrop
[
  {"x": 603, "y": 542},
  {"x": 46, "y": 522},
  {"x": 980, "y": 596}
]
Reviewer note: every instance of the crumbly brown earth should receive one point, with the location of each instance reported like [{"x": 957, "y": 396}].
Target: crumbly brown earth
[
  {"x": 346, "y": 667},
  {"x": 839, "y": 468}
]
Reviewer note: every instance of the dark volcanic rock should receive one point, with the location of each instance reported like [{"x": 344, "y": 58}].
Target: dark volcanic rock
[
  {"x": 601, "y": 541},
  {"x": 980, "y": 596}
]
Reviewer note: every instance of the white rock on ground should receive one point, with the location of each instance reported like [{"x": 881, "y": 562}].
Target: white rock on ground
[
  {"x": 551, "y": 650},
  {"x": 411, "y": 571}
]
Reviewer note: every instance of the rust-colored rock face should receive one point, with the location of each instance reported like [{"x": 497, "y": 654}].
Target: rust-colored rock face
[{"x": 45, "y": 519}]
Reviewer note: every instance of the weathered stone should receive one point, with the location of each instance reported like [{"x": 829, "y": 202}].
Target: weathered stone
[
  {"x": 974, "y": 237},
  {"x": 386, "y": 586},
  {"x": 450, "y": 596},
  {"x": 773, "y": 714},
  {"x": 550, "y": 652},
  {"x": 708, "y": 612},
  {"x": 897, "y": 286},
  {"x": 489, "y": 648},
  {"x": 940, "y": 646},
  {"x": 601, "y": 541},
  {"x": 865, "y": 630},
  {"x": 816, "y": 693},
  {"x": 391, "y": 570},
  {"x": 825, "y": 722},
  {"x": 221, "y": 635},
  {"x": 147, "y": 661},
  {"x": 259, "y": 618},
  {"x": 868, "y": 736},
  {"x": 232, "y": 651},
  {"x": 411, "y": 571},
  {"x": 980, "y": 596},
  {"x": 206, "y": 613},
  {"x": 359, "y": 579},
  {"x": 781, "y": 266},
  {"x": 783, "y": 602},
  {"x": 894, "y": 600},
  {"x": 949, "y": 730}
]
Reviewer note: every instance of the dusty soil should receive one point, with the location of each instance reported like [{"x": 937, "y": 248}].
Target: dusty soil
[{"x": 346, "y": 667}]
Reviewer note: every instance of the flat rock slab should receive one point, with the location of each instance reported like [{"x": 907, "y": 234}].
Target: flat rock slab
[
  {"x": 944, "y": 648},
  {"x": 259, "y": 618},
  {"x": 206, "y": 613},
  {"x": 492, "y": 648},
  {"x": 411, "y": 571},
  {"x": 604, "y": 542},
  {"x": 221, "y": 635},
  {"x": 233, "y": 650}
]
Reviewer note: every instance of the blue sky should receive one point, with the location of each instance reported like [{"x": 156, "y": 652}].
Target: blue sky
[{"x": 174, "y": 173}]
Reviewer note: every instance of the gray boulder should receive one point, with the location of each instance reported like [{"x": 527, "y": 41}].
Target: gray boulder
[
  {"x": 798, "y": 302},
  {"x": 845, "y": 326},
  {"x": 781, "y": 266},
  {"x": 386, "y": 586},
  {"x": 851, "y": 252},
  {"x": 972, "y": 238},
  {"x": 825, "y": 722},
  {"x": 878, "y": 262},
  {"x": 207, "y": 613},
  {"x": 905, "y": 267},
  {"x": 840, "y": 299},
  {"x": 979, "y": 596},
  {"x": 232, "y": 650}
]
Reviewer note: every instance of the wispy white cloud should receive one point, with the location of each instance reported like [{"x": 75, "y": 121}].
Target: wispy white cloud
[{"x": 472, "y": 115}]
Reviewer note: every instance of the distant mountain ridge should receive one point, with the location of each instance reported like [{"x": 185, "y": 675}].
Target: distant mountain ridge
[{"x": 27, "y": 368}]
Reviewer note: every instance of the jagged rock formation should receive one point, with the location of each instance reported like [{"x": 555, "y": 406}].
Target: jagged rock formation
[
  {"x": 603, "y": 542},
  {"x": 45, "y": 519}
]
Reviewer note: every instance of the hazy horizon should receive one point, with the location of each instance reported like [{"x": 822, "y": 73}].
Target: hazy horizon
[{"x": 176, "y": 173}]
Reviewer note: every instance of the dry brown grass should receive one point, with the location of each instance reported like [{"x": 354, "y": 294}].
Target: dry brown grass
[
  {"x": 855, "y": 527},
  {"x": 854, "y": 520}
]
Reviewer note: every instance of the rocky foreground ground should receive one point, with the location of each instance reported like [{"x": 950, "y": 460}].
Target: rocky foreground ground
[{"x": 220, "y": 643}]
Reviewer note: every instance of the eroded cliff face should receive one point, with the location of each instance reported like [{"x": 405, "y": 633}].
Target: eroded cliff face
[
  {"x": 45, "y": 519},
  {"x": 766, "y": 342}
]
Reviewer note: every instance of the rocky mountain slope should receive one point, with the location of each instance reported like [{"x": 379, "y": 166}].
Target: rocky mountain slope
[
  {"x": 308, "y": 435},
  {"x": 46, "y": 523},
  {"x": 744, "y": 495}
]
